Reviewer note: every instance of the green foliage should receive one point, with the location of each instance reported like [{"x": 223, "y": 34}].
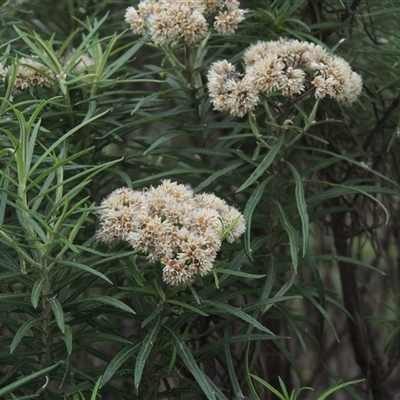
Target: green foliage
[{"x": 317, "y": 183}]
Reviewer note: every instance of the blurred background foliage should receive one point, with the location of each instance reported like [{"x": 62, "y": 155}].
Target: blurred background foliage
[{"x": 67, "y": 324}]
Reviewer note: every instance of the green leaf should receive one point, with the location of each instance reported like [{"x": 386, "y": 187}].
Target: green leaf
[
  {"x": 216, "y": 389},
  {"x": 293, "y": 242},
  {"x": 123, "y": 59},
  {"x": 392, "y": 340},
  {"x": 162, "y": 139},
  {"x": 350, "y": 158},
  {"x": 238, "y": 273},
  {"x": 11, "y": 296},
  {"x": 239, "y": 314},
  {"x": 36, "y": 292},
  {"x": 58, "y": 163},
  {"x": 64, "y": 138},
  {"x": 265, "y": 163},
  {"x": 186, "y": 356},
  {"x": 188, "y": 306},
  {"x": 96, "y": 389},
  {"x": 269, "y": 282},
  {"x": 336, "y": 387},
  {"x": 268, "y": 386},
  {"x": 21, "y": 382},
  {"x": 116, "y": 362},
  {"x": 247, "y": 373},
  {"x": 82, "y": 267},
  {"x": 312, "y": 263},
  {"x": 149, "y": 318},
  {"x": 320, "y": 309},
  {"x": 301, "y": 206},
  {"x": 106, "y": 300},
  {"x": 24, "y": 328},
  {"x": 238, "y": 394},
  {"x": 248, "y": 213},
  {"x": 232, "y": 166},
  {"x": 349, "y": 260},
  {"x": 169, "y": 174},
  {"x": 68, "y": 338},
  {"x": 144, "y": 352},
  {"x": 342, "y": 190},
  {"x": 354, "y": 393},
  {"x": 58, "y": 313},
  {"x": 289, "y": 357}
]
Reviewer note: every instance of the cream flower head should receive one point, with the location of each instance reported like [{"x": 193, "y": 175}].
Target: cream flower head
[
  {"x": 184, "y": 20},
  {"x": 281, "y": 66},
  {"x": 172, "y": 225},
  {"x": 29, "y": 73}
]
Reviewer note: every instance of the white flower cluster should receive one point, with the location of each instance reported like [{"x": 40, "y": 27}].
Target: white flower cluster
[
  {"x": 281, "y": 66},
  {"x": 172, "y": 225},
  {"x": 30, "y": 73},
  {"x": 82, "y": 63},
  {"x": 33, "y": 73},
  {"x": 183, "y": 19}
]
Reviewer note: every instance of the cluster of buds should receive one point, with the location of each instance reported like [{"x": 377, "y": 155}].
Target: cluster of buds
[
  {"x": 172, "y": 225},
  {"x": 281, "y": 66},
  {"x": 31, "y": 72},
  {"x": 183, "y": 19}
]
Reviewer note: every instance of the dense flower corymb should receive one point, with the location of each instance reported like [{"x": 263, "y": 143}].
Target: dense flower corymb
[
  {"x": 29, "y": 73},
  {"x": 172, "y": 225},
  {"x": 281, "y": 66},
  {"x": 183, "y": 19}
]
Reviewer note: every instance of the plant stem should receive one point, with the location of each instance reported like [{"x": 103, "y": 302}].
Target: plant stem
[{"x": 46, "y": 318}]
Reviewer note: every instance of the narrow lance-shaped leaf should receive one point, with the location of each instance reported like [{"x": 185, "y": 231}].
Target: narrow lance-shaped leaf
[
  {"x": 248, "y": 213},
  {"x": 96, "y": 389},
  {"x": 24, "y": 328},
  {"x": 350, "y": 158},
  {"x": 186, "y": 356},
  {"x": 269, "y": 387},
  {"x": 164, "y": 138},
  {"x": 269, "y": 282},
  {"x": 301, "y": 206},
  {"x": 82, "y": 267},
  {"x": 265, "y": 163},
  {"x": 342, "y": 190},
  {"x": 188, "y": 306},
  {"x": 238, "y": 313},
  {"x": 312, "y": 263},
  {"x": 247, "y": 373},
  {"x": 144, "y": 352},
  {"x": 63, "y": 138},
  {"x": 68, "y": 338},
  {"x": 291, "y": 234},
  {"x": 109, "y": 301},
  {"x": 116, "y": 362},
  {"x": 58, "y": 313},
  {"x": 232, "y": 375},
  {"x": 21, "y": 382},
  {"x": 232, "y": 166},
  {"x": 336, "y": 387},
  {"x": 320, "y": 309},
  {"x": 238, "y": 273},
  {"x": 36, "y": 292}
]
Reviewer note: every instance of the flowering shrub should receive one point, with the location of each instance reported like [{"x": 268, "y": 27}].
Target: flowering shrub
[{"x": 202, "y": 206}]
